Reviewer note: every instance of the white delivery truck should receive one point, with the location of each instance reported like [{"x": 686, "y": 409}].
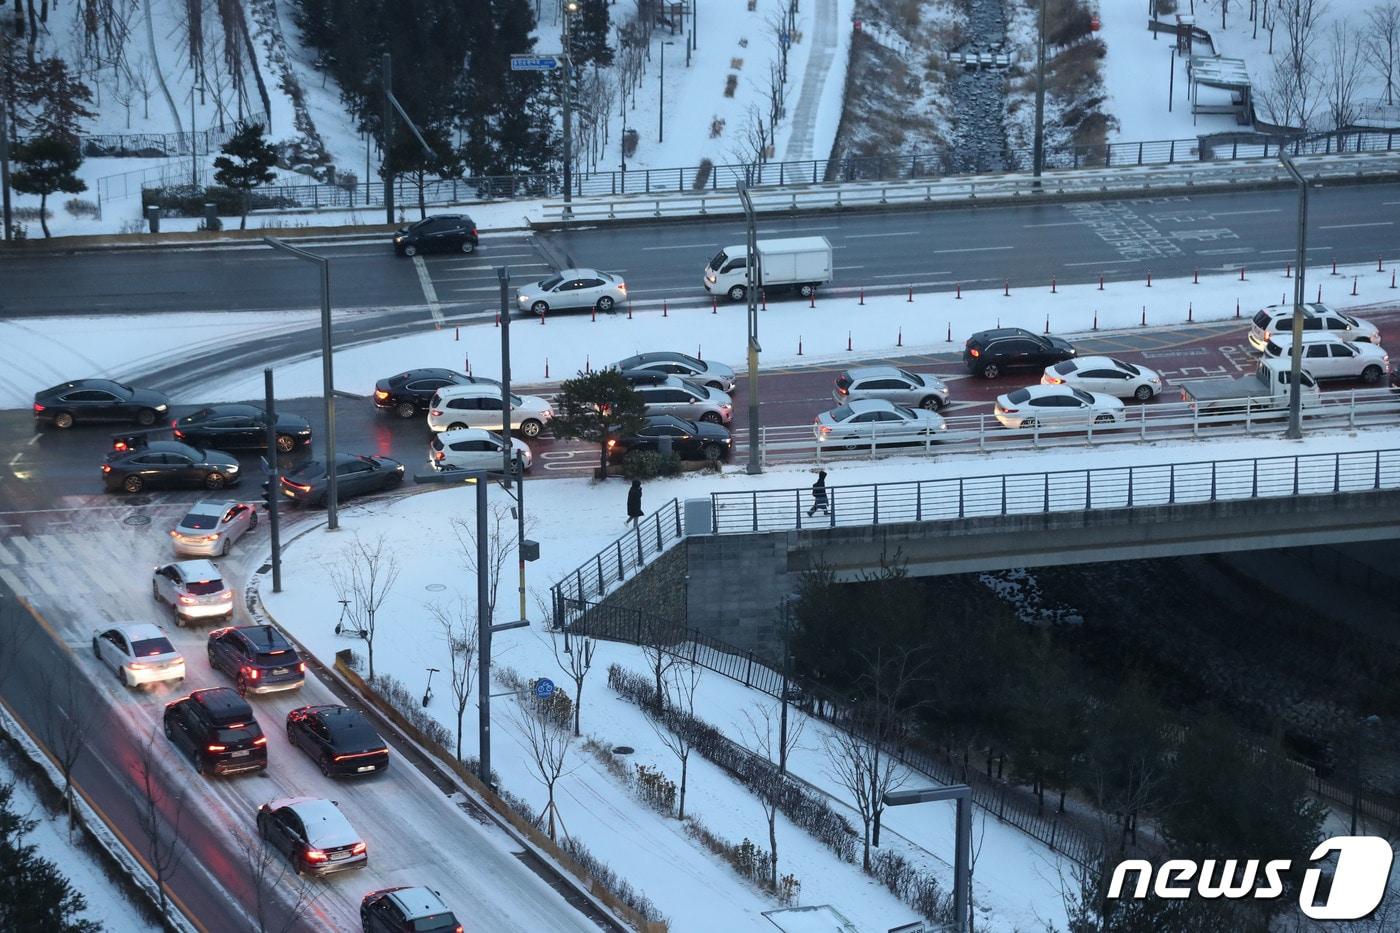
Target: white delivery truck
[
  {"x": 1264, "y": 390},
  {"x": 801, "y": 263}
]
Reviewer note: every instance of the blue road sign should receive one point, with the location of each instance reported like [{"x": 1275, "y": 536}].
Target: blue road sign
[
  {"x": 534, "y": 62},
  {"x": 544, "y": 688}
]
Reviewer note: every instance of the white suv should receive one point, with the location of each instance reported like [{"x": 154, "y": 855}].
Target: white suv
[
  {"x": 1328, "y": 356},
  {"x": 479, "y": 406},
  {"x": 473, "y": 449},
  {"x": 194, "y": 589},
  {"x": 1317, "y": 318}
]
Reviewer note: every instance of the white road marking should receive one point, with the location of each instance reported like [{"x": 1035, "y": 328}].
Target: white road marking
[
  {"x": 1224, "y": 252},
  {"x": 5, "y": 556},
  {"x": 1377, "y": 223},
  {"x": 1270, "y": 210},
  {"x": 903, "y": 275},
  {"x": 850, "y": 267},
  {"x": 681, "y": 246},
  {"x": 974, "y": 249},
  {"x": 871, "y": 236},
  {"x": 429, "y": 293},
  {"x": 1106, "y": 265},
  {"x": 1063, "y": 223},
  {"x": 1292, "y": 249}
]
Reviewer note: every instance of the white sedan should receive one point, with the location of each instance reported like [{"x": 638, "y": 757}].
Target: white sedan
[
  {"x": 874, "y": 421},
  {"x": 1056, "y": 408},
  {"x": 1107, "y": 375},
  {"x": 573, "y": 288},
  {"x": 138, "y": 653}
]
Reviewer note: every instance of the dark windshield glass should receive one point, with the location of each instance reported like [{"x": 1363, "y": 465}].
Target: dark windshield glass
[
  {"x": 842, "y": 413},
  {"x": 1083, "y": 396},
  {"x": 243, "y": 733},
  {"x": 277, "y": 656},
  {"x": 204, "y": 587},
  {"x": 437, "y": 923},
  {"x": 1129, "y": 367},
  {"x": 1019, "y": 396},
  {"x": 150, "y": 647},
  {"x": 547, "y": 284},
  {"x": 719, "y": 260},
  {"x": 1065, "y": 368},
  {"x": 200, "y": 521}
]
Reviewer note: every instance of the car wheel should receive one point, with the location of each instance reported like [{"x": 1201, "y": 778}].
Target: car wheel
[
  {"x": 253, "y": 520},
  {"x": 712, "y": 417},
  {"x": 991, "y": 371},
  {"x": 133, "y": 484},
  {"x": 145, "y": 417},
  {"x": 1104, "y": 418},
  {"x": 456, "y": 426},
  {"x": 63, "y": 420},
  {"x": 405, "y": 409},
  {"x": 736, "y": 293},
  {"x": 531, "y": 428},
  {"x": 96, "y": 651},
  {"x": 806, "y": 291},
  {"x": 286, "y": 443},
  {"x": 1371, "y": 374},
  {"x": 410, "y": 251},
  {"x": 241, "y": 684},
  {"x": 1143, "y": 393},
  {"x": 223, "y": 551},
  {"x": 325, "y": 766},
  {"x": 605, "y": 304},
  {"x": 932, "y": 403},
  {"x": 712, "y": 452},
  {"x": 122, "y": 678},
  {"x": 539, "y": 307},
  {"x": 715, "y": 385},
  {"x": 468, "y": 247},
  {"x": 214, "y": 480},
  {"x": 169, "y": 732}
]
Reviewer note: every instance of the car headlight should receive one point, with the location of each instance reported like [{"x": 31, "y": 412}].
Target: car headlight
[
  {"x": 162, "y": 407},
  {"x": 233, "y": 468}
]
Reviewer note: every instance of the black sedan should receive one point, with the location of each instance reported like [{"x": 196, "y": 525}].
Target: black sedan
[
  {"x": 354, "y": 476},
  {"x": 690, "y": 440},
  {"x": 98, "y": 400},
  {"x": 241, "y": 427},
  {"x": 409, "y": 393},
  {"x": 339, "y": 739},
  {"x": 441, "y": 233},
  {"x": 169, "y": 463}
]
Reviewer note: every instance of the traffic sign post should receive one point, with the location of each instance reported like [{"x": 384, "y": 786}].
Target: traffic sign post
[
  {"x": 544, "y": 688},
  {"x": 548, "y": 62}
]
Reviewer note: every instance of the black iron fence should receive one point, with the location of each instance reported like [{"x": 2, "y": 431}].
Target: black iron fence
[
  {"x": 616, "y": 562},
  {"x": 160, "y": 145}
]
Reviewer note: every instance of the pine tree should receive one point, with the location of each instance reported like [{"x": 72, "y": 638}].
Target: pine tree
[
  {"x": 596, "y": 406},
  {"x": 34, "y": 895},
  {"x": 589, "y": 34},
  {"x": 46, "y": 165},
  {"x": 246, "y": 164},
  {"x": 406, "y": 157},
  {"x": 48, "y": 100}
]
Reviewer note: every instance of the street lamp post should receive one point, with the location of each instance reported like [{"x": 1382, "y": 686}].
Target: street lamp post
[
  {"x": 661, "y": 109},
  {"x": 570, "y": 7},
  {"x": 327, "y": 380},
  {"x": 5, "y": 170},
  {"x": 962, "y": 854},
  {"x": 1295, "y": 355},
  {"x": 753, "y": 284},
  {"x": 1038, "y": 154},
  {"x": 194, "y": 147}
]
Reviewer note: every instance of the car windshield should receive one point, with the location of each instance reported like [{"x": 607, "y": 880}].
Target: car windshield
[
  {"x": 435, "y": 923},
  {"x": 719, "y": 260},
  {"x": 357, "y": 733},
  {"x": 204, "y": 587},
  {"x": 917, "y": 380},
  {"x": 244, "y": 732},
  {"x": 1350, "y": 320},
  {"x": 311, "y": 469},
  {"x": 277, "y": 656},
  {"x": 1128, "y": 366},
  {"x": 549, "y": 283},
  {"x": 196, "y": 520},
  {"x": 842, "y": 413},
  {"x": 1065, "y": 368},
  {"x": 906, "y": 413},
  {"x": 1019, "y": 396},
  {"x": 1083, "y": 396},
  {"x": 691, "y": 361},
  {"x": 150, "y": 647}
]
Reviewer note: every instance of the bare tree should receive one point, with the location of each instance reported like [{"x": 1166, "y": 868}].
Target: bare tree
[
  {"x": 139, "y": 77},
  {"x": 574, "y": 655},
  {"x": 160, "y": 811},
  {"x": 459, "y": 627},
  {"x": 67, "y": 730},
  {"x": 280, "y": 902},
  {"x": 364, "y": 577},
  {"x": 1344, "y": 47},
  {"x": 671, "y": 723},
  {"x": 861, "y": 766},
  {"x": 548, "y": 743},
  {"x": 1382, "y": 48},
  {"x": 124, "y": 93},
  {"x": 498, "y": 549},
  {"x": 767, "y": 734}
]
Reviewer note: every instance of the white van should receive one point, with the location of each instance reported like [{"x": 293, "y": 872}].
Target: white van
[{"x": 802, "y": 263}]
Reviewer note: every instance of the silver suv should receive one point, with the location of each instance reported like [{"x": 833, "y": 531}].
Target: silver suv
[
  {"x": 194, "y": 589},
  {"x": 891, "y": 384},
  {"x": 684, "y": 399}
]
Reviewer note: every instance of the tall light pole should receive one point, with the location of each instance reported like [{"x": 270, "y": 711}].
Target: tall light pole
[
  {"x": 753, "y": 284},
  {"x": 570, "y": 8},
  {"x": 194, "y": 147},
  {"x": 1295, "y": 355},
  {"x": 387, "y": 135},
  {"x": 1038, "y": 154},
  {"x": 962, "y": 854},
  {"x": 327, "y": 377},
  {"x": 5, "y": 168},
  {"x": 661, "y": 109}
]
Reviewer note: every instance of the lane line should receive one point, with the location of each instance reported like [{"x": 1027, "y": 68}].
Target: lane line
[
  {"x": 1063, "y": 223},
  {"x": 680, "y": 246},
  {"x": 904, "y": 275},
  {"x": 974, "y": 249},
  {"x": 1377, "y": 223},
  {"x": 1224, "y": 252},
  {"x": 1112, "y": 262},
  {"x": 1292, "y": 249},
  {"x": 429, "y": 293},
  {"x": 1270, "y": 210},
  {"x": 869, "y": 236}
]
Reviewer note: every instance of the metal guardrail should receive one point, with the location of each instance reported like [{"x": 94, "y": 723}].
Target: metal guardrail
[
  {"x": 978, "y": 434},
  {"x": 1057, "y": 491},
  {"x": 158, "y": 145},
  {"x": 833, "y": 195},
  {"x": 615, "y": 563}
]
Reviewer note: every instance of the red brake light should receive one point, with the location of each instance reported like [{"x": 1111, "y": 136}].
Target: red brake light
[
  {"x": 439, "y": 455},
  {"x": 1054, "y": 380},
  {"x": 260, "y": 740},
  {"x": 301, "y": 667},
  {"x": 437, "y": 412},
  {"x": 217, "y": 748},
  {"x": 251, "y": 673},
  {"x": 358, "y": 848},
  {"x": 842, "y": 391},
  {"x": 974, "y": 352},
  {"x": 119, "y": 445},
  {"x": 1010, "y": 411},
  {"x": 106, "y": 468},
  {"x": 612, "y": 442},
  {"x": 38, "y": 407},
  {"x": 304, "y": 487},
  {"x": 825, "y": 429},
  {"x": 315, "y": 855},
  {"x": 622, "y": 287},
  {"x": 178, "y": 432}
]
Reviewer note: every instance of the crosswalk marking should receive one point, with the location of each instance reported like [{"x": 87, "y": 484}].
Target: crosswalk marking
[{"x": 5, "y": 556}]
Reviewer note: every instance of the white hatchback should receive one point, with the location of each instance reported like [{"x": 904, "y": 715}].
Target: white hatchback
[
  {"x": 473, "y": 449},
  {"x": 138, "y": 653},
  {"x": 1056, "y": 408},
  {"x": 1105, "y": 374},
  {"x": 479, "y": 406}
]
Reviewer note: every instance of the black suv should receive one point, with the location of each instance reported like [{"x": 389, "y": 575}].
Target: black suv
[
  {"x": 442, "y": 233},
  {"x": 339, "y": 738},
  {"x": 406, "y": 910},
  {"x": 690, "y": 440},
  {"x": 240, "y": 427},
  {"x": 216, "y": 728},
  {"x": 409, "y": 393},
  {"x": 989, "y": 353},
  {"x": 258, "y": 657}
]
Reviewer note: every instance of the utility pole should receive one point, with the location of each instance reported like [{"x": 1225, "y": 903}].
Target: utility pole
[
  {"x": 570, "y": 7},
  {"x": 1295, "y": 368},
  {"x": 274, "y": 485},
  {"x": 194, "y": 148},
  {"x": 5, "y": 166},
  {"x": 661, "y": 108},
  {"x": 1038, "y": 155},
  {"x": 754, "y": 283},
  {"x": 386, "y": 135}
]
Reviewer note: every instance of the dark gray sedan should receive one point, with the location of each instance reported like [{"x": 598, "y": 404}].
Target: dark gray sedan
[
  {"x": 355, "y": 475},
  {"x": 169, "y": 463},
  {"x": 98, "y": 400}
]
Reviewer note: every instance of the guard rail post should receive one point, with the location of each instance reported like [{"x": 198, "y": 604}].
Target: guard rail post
[
  {"x": 1212, "y": 481},
  {"x": 1130, "y": 487},
  {"x": 1378, "y": 470},
  {"x": 961, "y": 503},
  {"x": 1088, "y": 491},
  {"x": 1336, "y": 472},
  {"x": 1295, "y": 476},
  {"x": 619, "y": 560},
  {"x": 1047, "y": 493},
  {"x": 1171, "y": 485},
  {"x": 875, "y": 505},
  {"x": 1254, "y": 480},
  {"x": 1003, "y": 495},
  {"x": 797, "y": 507},
  {"x": 599, "y": 558},
  {"x": 640, "y": 552},
  {"x": 753, "y": 504}
]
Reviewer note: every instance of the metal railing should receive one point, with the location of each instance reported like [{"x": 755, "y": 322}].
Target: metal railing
[
  {"x": 1057, "y": 491},
  {"x": 639, "y": 545},
  {"x": 977, "y": 434},
  {"x": 159, "y": 145},
  {"x": 1008, "y": 802}
]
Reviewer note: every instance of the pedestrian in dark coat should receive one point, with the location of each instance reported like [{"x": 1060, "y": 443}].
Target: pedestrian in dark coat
[
  {"x": 634, "y": 502},
  {"x": 819, "y": 495}
]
